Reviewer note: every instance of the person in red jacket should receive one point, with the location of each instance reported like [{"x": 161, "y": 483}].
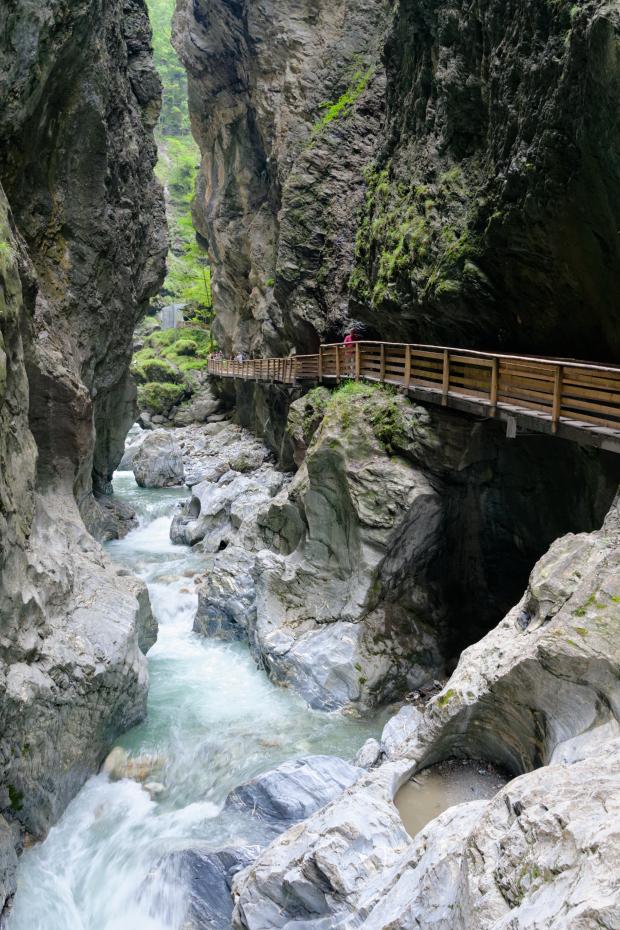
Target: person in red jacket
[{"x": 349, "y": 350}]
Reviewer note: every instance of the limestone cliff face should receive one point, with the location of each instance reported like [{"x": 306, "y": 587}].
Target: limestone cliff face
[
  {"x": 82, "y": 243},
  {"x": 79, "y": 100},
  {"x": 287, "y": 102},
  {"x": 464, "y": 187},
  {"x": 492, "y": 215}
]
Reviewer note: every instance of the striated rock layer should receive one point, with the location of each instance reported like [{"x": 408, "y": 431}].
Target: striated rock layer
[{"x": 82, "y": 244}]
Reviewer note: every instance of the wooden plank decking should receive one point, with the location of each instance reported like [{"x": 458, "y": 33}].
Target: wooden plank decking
[{"x": 575, "y": 400}]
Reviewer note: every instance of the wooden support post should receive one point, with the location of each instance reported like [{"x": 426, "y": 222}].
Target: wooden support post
[
  {"x": 382, "y": 369},
  {"x": 494, "y": 386},
  {"x": 446, "y": 378},
  {"x": 358, "y": 361},
  {"x": 337, "y": 351},
  {"x": 407, "y": 379},
  {"x": 557, "y": 398},
  {"x": 320, "y": 363}
]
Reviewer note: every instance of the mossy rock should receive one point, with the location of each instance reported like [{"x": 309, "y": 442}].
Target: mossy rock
[
  {"x": 159, "y": 397},
  {"x": 158, "y": 370},
  {"x": 186, "y": 347}
]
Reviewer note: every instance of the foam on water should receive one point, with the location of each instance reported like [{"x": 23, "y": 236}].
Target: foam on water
[{"x": 214, "y": 720}]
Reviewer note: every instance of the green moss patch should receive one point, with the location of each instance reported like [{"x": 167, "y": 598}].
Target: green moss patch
[
  {"x": 446, "y": 697},
  {"x": 16, "y": 798},
  {"x": 160, "y": 397},
  {"x": 414, "y": 239},
  {"x": 341, "y": 108}
]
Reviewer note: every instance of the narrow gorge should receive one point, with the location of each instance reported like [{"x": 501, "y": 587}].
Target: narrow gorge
[{"x": 291, "y": 638}]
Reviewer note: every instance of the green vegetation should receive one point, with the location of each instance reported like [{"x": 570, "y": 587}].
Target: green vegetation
[
  {"x": 406, "y": 247},
  {"x": 16, "y": 798},
  {"x": 189, "y": 279},
  {"x": 446, "y": 697},
  {"x": 378, "y": 404},
  {"x": 163, "y": 367},
  {"x": 158, "y": 397},
  {"x": 345, "y": 103}
]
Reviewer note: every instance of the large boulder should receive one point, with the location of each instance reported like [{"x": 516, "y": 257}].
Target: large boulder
[
  {"x": 133, "y": 443},
  {"x": 227, "y": 597},
  {"x": 202, "y": 405},
  {"x": 207, "y": 877},
  {"x": 270, "y": 804},
  {"x": 294, "y": 790},
  {"x": 400, "y": 729},
  {"x": 218, "y": 510},
  {"x": 158, "y": 462},
  {"x": 536, "y": 856}
]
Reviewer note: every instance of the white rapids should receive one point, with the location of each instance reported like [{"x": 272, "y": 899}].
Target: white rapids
[{"x": 214, "y": 720}]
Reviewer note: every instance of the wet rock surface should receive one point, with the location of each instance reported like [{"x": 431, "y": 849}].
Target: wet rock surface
[
  {"x": 272, "y": 802},
  {"x": 537, "y": 855},
  {"x": 209, "y": 875},
  {"x": 294, "y": 790},
  {"x": 82, "y": 245},
  {"x": 158, "y": 463}
]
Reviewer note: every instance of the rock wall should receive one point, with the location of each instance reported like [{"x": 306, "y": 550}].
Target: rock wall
[
  {"x": 491, "y": 216},
  {"x": 286, "y": 102},
  {"x": 402, "y": 538},
  {"x": 440, "y": 172},
  {"x": 82, "y": 246}
]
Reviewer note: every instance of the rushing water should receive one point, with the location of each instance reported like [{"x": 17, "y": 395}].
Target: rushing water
[{"x": 214, "y": 721}]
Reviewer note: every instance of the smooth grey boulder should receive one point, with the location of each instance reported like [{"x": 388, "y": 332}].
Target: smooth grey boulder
[
  {"x": 332, "y": 665},
  {"x": 315, "y": 872},
  {"x": 202, "y": 405},
  {"x": 158, "y": 462},
  {"x": 133, "y": 443},
  {"x": 294, "y": 790},
  {"x": 226, "y": 509},
  {"x": 369, "y": 754},
  {"x": 399, "y": 729},
  {"x": 273, "y": 801},
  {"x": 207, "y": 877}
]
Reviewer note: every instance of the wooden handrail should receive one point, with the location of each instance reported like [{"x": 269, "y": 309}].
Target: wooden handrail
[{"x": 559, "y": 391}]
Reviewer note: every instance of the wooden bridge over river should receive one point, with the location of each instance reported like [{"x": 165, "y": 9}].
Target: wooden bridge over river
[{"x": 575, "y": 400}]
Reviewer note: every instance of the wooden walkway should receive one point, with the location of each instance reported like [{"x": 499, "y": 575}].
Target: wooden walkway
[{"x": 574, "y": 400}]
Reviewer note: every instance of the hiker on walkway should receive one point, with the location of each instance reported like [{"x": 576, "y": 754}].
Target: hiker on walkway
[{"x": 349, "y": 351}]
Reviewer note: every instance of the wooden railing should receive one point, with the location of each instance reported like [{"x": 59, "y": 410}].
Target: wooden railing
[{"x": 556, "y": 390}]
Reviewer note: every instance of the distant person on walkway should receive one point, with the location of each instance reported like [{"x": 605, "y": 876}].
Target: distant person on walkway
[{"x": 349, "y": 350}]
